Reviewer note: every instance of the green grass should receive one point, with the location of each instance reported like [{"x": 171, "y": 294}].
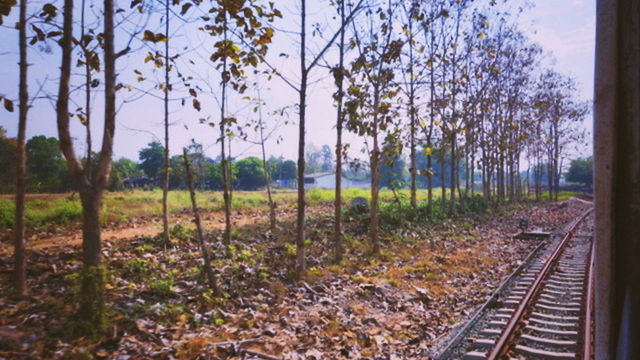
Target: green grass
[
  {"x": 119, "y": 207},
  {"x": 41, "y": 212}
]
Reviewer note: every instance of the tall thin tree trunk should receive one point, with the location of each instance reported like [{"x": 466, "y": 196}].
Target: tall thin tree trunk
[
  {"x": 467, "y": 171},
  {"x": 300, "y": 221},
  {"x": 267, "y": 173},
  {"x": 87, "y": 93},
  {"x": 165, "y": 167},
  {"x": 473, "y": 164},
  {"x": 432, "y": 115},
  {"x": 20, "y": 269},
  {"x": 229, "y": 170},
  {"x": 444, "y": 125},
  {"x": 375, "y": 180},
  {"x": 337, "y": 230},
  {"x": 538, "y": 181},
  {"x": 207, "y": 269},
  {"x": 556, "y": 158},
  {"x": 412, "y": 115},
  {"x": 452, "y": 206},
  {"x": 443, "y": 187},
  {"x": 454, "y": 121},
  {"x": 226, "y": 166},
  {"x": 550, "y": 177}
]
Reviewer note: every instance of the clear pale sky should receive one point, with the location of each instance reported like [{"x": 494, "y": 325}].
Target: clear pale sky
[{"x": 564, "y": 28}]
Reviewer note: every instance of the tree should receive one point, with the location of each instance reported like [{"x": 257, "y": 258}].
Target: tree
[
  {"x": 412, "y": 14},
  {"x": 121, "y": 169},
  {"x": 8, "y": 150},
  {"x": 559, "y": 111},
  {"x": 581, "y": 171},
  {"x": 165, "y": 151},
  {"x": 46, "y": 165},
  {"x": 244, "y": 41},
  {"x": 312, "y": 159},
  {"x": 207, "y": 269},
  {"x": 206, "y": 173},
  {"x": 251, "y": 174},
  {"x": 371, "y": 92},
  {"x": 339, "y": 73},
  {"x": 20, "y": 272},
  {"x": 151, "y": 159},
  {"x": 436, "y": 9},
  {"x": 393, "y": 171},
  {"x": 288, "y": 170},
  {"x": 327, "y": 158},
  {"x": 259, "y": 126},
  {"x": 90, "y": 184},
  {"x": 301, "y": 88},
  {"x": 213, "y": 175},
  {"x": 167, "y": 62}
]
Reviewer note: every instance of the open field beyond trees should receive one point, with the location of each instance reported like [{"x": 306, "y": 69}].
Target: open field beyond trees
[
  {"x": 57, "y": 210},
  {"x": 60, "y": 209}
]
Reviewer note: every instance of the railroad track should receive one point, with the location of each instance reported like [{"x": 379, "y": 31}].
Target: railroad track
[{"x": 546, "y": 311}]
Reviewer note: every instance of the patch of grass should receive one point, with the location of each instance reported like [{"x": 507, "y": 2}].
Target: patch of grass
[
  {"x": 162, "y": 288},
  {"x": 181, "y": 233},
  {"x": 7, "y": 213},
  {"x": 40, "y": 212},
  {"x": 143, "y": 249},
  {"x": 136, "y": 268}
]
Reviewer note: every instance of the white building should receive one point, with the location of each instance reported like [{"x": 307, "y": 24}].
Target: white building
[{"x": 327, "y": 180}]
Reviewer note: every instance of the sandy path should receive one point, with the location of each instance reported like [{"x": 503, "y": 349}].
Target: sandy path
[{"x": 211, "y": 221}]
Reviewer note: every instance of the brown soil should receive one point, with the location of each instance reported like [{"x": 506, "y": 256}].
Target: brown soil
[{"x": 213, "y": 220}]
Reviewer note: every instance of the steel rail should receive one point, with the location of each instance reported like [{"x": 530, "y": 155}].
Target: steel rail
[
  {"x": 587, "y": 350},
  {"x": 443, "y": 354},
  {"x": 502, "y": 345}
]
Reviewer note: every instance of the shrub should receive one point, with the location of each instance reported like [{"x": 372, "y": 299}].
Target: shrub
[
  {"x": 396, "y": 214},
  {"x": 477, "y": 204}
]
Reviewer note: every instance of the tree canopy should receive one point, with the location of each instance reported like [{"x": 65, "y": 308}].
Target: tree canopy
[{"x": 581, "y": 171}]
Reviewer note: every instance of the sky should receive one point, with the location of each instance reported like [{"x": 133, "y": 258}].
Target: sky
[{"x": 564, "y": 28}]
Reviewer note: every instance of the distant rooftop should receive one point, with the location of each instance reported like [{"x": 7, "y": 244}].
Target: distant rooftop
[{"x": 320, "y": 174}]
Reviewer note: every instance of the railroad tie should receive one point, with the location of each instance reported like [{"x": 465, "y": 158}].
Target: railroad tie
[
  {"x": 475, "y": 355},
  {"x": 555, "y": 317},
  {"x": 545, "y": 354},
  {"x": 573, "y": 335},
  {"x": 553, "y": 323},
  {"x": 549, "y": 342}
]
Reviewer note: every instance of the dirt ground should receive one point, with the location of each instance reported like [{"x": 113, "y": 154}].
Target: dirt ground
[
  {"x": 136, "y": 228},
  {"x": 395, "y": 306}
]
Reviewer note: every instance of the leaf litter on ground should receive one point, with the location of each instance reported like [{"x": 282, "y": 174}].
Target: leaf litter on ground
[{"x": 396, "y": 306}]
